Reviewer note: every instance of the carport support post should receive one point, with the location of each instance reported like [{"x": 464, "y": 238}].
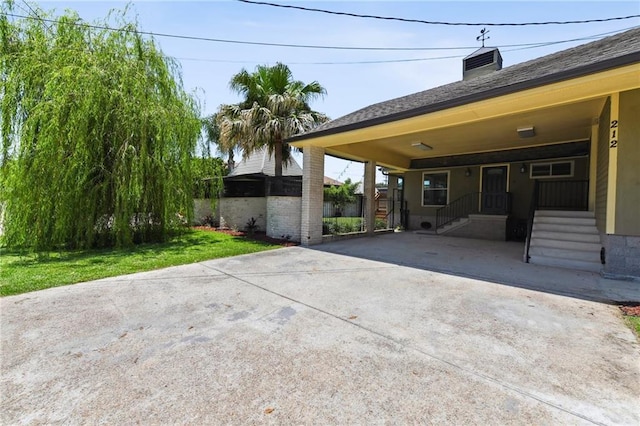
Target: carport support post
[
  {"x": 312, "y": 195},
  {"x": 369, "y": 196}
]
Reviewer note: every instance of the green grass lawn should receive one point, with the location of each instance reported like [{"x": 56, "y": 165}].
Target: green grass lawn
[
  {"x": 634, "y": 323},
  {"x": 343, "y": 220},
  {"x": 21, "y": 272}
]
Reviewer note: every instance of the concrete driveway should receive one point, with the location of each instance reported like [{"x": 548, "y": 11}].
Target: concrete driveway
[{"x": 310, "y": 336}]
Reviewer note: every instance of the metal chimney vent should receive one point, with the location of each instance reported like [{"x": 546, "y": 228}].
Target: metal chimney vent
[
  {"x": 483, "y": 61},
  {"x": 478, "y": 61}
]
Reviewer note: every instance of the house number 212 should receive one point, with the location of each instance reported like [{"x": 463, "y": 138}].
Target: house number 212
[{"x": 613, "y": 140}]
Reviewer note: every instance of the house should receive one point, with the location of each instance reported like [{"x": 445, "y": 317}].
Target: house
[
  {"x": 547, "y": 150},
  {"x": 328, "y": 182},
  {"x": 352, "y": 209},
  {"x": 251, "y": 191}
]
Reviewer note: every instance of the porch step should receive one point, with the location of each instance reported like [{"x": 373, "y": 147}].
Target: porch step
[
  {"x": 565, "y": 239},
  {"x": 563, "y": 253},
  {"x": 583, "y": 234},
  {"x": 453, "y": 225},
  {"x": 565, "y": 263},
  {"x": 564, "y": 213},
  {"x": 565, "y": 220},
  {"x": 565, "y": 228}
]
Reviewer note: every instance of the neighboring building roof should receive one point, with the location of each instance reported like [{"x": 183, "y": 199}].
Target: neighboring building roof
[
  {"x": 359, "y": 189},
  {"x": 260, "y": 163},
  {"x": 610, "y": 52},
  {"x": 331, "y": 182}
]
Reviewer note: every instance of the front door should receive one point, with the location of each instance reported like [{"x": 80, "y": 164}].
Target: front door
[{"x": 494, "y": 190}]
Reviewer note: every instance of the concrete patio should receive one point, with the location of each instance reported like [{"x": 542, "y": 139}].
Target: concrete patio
[{"x": 324, "y": 336}]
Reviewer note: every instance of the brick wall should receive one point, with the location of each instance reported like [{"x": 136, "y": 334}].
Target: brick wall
[
  {"x": 312, "y": 196},
  {"x": 283, "y": 217},
  {"x": 236, "y": 212},
  {"x": 202, "y": 209}
]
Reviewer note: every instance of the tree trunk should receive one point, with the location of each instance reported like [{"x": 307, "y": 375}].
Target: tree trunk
[
  {"x": 277, "y": 153},
  {"x": 230, "y": 163}
]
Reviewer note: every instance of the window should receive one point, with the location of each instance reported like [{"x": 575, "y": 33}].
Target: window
[
  {"x": 435, "y": 189},
  {"x": 547, "y": 170}
]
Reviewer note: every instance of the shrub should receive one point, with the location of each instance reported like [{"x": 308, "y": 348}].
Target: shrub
[{"x": 381, "y": 224}]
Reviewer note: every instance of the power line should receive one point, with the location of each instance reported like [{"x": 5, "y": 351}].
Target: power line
[
  {"x": 381, "y": 61},
  {"x": 389, "y": 61},
  {"x": 420, "y": 21},
  {"x": 288, "y": 45}
]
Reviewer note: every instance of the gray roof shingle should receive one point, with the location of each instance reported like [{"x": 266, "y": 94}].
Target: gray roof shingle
[
  {"x": 260, "y": 163},
  {"x": 617, "y": 50}
]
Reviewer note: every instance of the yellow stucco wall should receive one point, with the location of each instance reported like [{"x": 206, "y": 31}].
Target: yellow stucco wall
[
  {"x": 459, "y": 185},
  {"x": 520, "y": 186},
  {"x": 628, "y": 178}
]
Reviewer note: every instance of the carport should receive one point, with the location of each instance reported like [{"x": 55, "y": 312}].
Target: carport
[{"x": 498, "y": 262}]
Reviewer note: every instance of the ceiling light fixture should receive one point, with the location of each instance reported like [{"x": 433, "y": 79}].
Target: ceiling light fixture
[
  {"x": 422, "y": 146},
  {"x": 526, "y": 132}
]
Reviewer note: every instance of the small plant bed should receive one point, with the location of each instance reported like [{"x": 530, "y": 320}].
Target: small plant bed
[
  {"x": 346, "y": 225},
  {"x": 22, "y": 272},
  {"x": 256, "y": 236},
  {"x": 632, "y": 316}
]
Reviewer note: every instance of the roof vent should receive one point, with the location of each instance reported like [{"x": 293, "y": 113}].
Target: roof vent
[{"x": 481, "y": 62}]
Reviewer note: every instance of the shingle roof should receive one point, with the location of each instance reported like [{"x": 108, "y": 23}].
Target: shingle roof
[
  {"x": 260, "y": 163},
  {"x": 331, "y": 181},
  {"x": 610, "y": 52}
]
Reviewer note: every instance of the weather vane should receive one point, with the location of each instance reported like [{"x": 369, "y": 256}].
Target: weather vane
[{"x": 483, "y": 36}]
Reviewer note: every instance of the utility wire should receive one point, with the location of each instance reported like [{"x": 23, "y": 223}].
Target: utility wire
[
  {"x": 381, "y": 61},
  {"x": 389, "y": 61},
  {"x": 31, "y": 11},
  {"x": 420, "y": 21},
  {"x": 288, "y": 45}
]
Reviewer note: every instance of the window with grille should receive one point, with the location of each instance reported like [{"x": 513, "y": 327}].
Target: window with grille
[{"x": 549, "y": 170}]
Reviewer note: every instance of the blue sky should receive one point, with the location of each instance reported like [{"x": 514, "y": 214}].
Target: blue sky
[{"x": 207, "y": 66}]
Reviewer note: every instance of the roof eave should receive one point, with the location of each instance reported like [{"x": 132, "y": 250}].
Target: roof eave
[{"x": 480, "y": 96}]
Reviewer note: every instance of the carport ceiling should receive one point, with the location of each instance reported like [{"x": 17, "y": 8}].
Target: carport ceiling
[{"x": 552, "y": 125}]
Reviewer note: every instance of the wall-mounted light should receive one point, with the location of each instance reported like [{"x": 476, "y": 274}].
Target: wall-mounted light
[
  {"x": 467, "y": 172},
  {"x": 422, "y": 146},
  {"x": 523, "y": 168},
  {"x": 526, "y": 132}
]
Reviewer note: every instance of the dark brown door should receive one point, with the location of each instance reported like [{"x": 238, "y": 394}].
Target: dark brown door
[{"x": 494, "y": 190}]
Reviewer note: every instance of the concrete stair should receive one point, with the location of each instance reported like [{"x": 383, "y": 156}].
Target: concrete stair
[
  {"x": 566, "y": 239},
  {"x": 456, "y": 224}
]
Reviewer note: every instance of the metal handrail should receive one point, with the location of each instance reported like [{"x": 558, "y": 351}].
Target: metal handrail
[
  {"x": 563, "y": 194},
  {"x": 533, "y": 206},
  {"x": 461, "y": 207}
]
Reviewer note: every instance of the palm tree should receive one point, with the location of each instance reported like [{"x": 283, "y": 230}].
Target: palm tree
[
  {"x": 275, "y": 107},
  {"x": 212, "y": 137}
]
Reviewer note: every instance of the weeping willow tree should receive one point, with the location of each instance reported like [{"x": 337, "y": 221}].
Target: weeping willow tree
[{"x": 97, "y": 134}]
